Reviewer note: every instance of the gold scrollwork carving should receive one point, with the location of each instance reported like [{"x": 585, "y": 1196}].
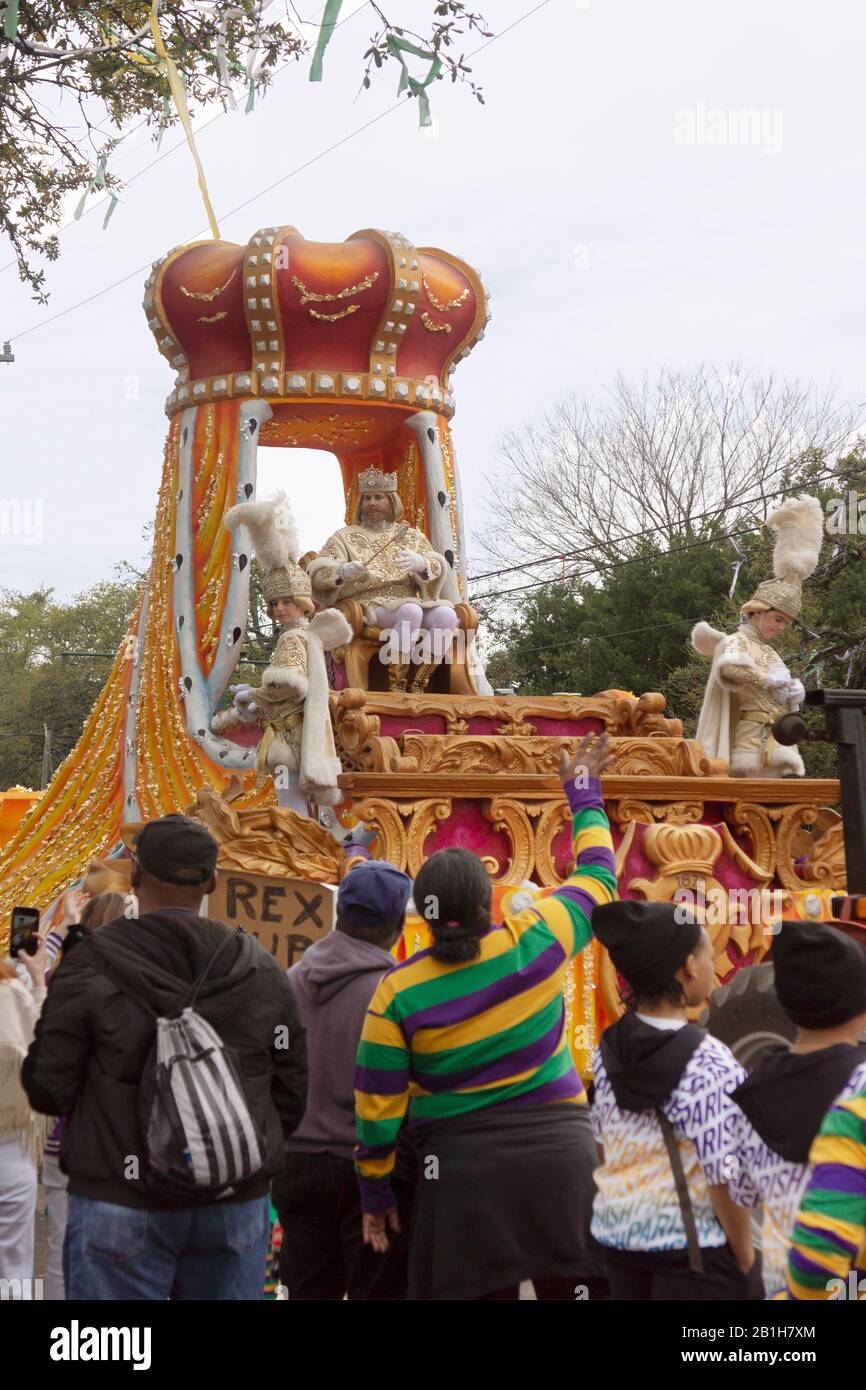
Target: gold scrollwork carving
[
  {"x": 354, "y": 727},
  {"x": 824, "y": 863},
  {"x": 749, "y": 818},
  {"x": 680, "y": 812},
  {"x": 552, "y": 820},
  {"x": 673, "y": 812},
  {"x": 508, "y": 815},
  {"x": 609, "y": 987},
  {"x": 662, "y": 756},
  {"x": 624, "y": 847},
  {"x": 384, "y": 817},
  {"x": 789, "y": 832},
  {"x": 423, "y": 823}
]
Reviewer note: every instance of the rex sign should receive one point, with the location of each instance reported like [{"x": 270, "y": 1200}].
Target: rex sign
[{"x": 286, "y": 915}]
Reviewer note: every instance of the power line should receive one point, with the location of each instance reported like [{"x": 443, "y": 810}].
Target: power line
[
  {"x": 650, "y": 530},
  {"x": 223, "y": 217},
  {"x": 614, "y": 565},
  {"x": 637, "y": 535},
  {"x": 599, "y": 637}
]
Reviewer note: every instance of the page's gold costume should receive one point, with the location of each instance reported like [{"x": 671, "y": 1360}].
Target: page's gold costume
[
  {"x": 749, "y": 686},
  {"x": 291, "y": 705}
]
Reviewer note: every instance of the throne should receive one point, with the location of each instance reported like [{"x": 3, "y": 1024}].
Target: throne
[
  {"x": 364, "y": 671},
  {"x": 357, "y": 664}
]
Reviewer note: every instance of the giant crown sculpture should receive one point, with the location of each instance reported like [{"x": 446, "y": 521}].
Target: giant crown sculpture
[
  {"x": 372, "y": 318},
  {"x": 347, "y": 347}
]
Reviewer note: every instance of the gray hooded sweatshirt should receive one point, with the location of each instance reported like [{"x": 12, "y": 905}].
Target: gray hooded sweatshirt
[{"x": 333, "y": 983}]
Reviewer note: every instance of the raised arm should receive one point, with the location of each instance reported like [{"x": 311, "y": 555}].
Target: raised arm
[{"x": 567, "y": 911}]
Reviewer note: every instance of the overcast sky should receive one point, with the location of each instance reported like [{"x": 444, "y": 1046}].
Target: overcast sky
[{"x": 623, "y": 216}]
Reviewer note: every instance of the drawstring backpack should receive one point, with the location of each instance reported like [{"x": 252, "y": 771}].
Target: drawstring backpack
[{"x": 200, "y": 1137}]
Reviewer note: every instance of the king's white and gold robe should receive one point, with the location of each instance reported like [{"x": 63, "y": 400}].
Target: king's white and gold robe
[{"x": 389, "y": 585}]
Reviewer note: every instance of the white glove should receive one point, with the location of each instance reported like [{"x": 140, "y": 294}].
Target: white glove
[
  {"x": 352, "y": 570},
  {"x": 244, "y": 699},
  {"x": 413, "y": 562},
  {"x": 779, "y": 677},
  {"x": 796, "y": 694}
]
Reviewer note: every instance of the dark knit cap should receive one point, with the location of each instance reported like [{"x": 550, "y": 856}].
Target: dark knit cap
[
  {"x": 820, "y": 974},
  {"x": 176, "y": 849},
  {"x": 648, "y": 942}
]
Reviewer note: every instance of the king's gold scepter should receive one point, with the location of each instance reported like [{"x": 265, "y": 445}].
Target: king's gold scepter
[{"x": 399, "y": 535}]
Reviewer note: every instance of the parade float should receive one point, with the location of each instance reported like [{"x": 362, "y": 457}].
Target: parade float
[{"x": 350, "y": 348}]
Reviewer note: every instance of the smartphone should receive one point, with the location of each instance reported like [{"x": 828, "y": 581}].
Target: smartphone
[{"x": 25, "y": 925}]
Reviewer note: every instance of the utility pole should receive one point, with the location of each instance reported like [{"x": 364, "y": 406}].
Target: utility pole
[
  {"x": 47, "y": 769},
  {"x": 7, "y": 355}
]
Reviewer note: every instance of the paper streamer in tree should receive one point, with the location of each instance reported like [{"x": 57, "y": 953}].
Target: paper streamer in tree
[
  {"x": 418, "y": 89},
  {"x": 329, "y": 24},
  {"x": 180, "y": 102}
]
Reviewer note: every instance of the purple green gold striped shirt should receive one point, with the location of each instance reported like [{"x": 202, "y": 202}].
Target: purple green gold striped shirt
[
  {"x": 827, "y": 1257},
  {"x": 443, "y": 1040}
]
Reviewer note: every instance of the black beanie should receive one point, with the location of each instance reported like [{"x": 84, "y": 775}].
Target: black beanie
[
  {"x": 820, "y": 974},
  {"x": 648, "y": 942},
  {"x": 176, "y": 849}
]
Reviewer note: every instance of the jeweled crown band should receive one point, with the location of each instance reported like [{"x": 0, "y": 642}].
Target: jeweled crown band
[{"x": 374, "y": 480}]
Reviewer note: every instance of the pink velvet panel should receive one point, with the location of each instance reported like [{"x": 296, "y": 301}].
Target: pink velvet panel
[
  {"x": 340, "y": 679},
  {"x": 569, "y": 728},
  {"x": 467, "y": 828}
]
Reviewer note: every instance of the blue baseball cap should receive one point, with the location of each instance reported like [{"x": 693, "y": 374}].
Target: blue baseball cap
[{"x": 374, "y": 889}]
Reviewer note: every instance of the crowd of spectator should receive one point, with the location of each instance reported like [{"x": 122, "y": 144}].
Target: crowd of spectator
[{"x": 420, "y": 1127}]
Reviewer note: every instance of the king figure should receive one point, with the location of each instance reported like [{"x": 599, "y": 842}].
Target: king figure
[{"x": 393, "y": 571}]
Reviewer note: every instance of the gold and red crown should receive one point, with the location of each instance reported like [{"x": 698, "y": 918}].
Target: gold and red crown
[{"x": 282, "y": 318}]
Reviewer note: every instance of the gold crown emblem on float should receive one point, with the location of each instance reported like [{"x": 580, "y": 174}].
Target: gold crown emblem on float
[{"x": 374, "y": 480}]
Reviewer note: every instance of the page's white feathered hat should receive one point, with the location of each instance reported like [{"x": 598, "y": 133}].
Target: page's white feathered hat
[
  {"x": 799, "y": 528},
  {"x": 274, "y": 534}
]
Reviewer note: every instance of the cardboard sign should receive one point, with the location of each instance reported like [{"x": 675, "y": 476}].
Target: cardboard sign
[{"x": 286, "y": 915}]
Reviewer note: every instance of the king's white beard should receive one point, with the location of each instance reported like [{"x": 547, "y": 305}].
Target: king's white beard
[{"x": 376, "y": 524}]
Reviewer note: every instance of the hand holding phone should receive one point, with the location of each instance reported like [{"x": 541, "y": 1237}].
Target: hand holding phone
[{"x": 25, "y": 931}]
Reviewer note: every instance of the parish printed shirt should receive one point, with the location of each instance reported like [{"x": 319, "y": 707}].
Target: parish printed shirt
[
  {"x": 636, "y": 1205},
  {"x": 763, "y": 1176}
]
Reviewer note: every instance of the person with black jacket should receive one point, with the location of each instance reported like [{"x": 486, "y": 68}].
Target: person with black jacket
[{"x": 129, "y": 1236}]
